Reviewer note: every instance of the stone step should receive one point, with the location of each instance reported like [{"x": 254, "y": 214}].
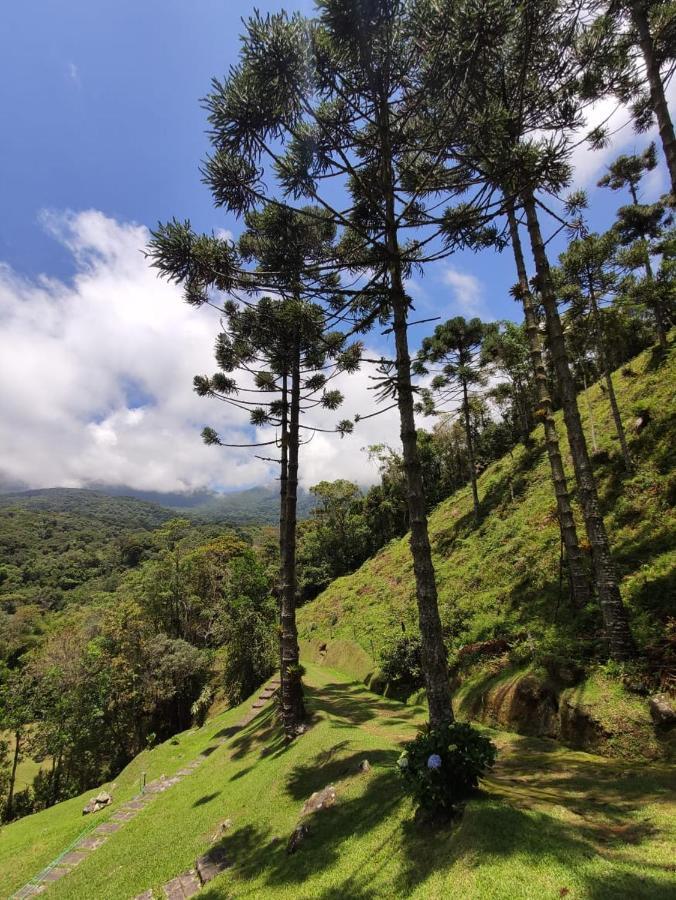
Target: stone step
[
  {"x": 183, "y": 886},
  {"x": 107, "y": 828},
  {"x": 54, "y": 874},
  {"x": 211, "y": 864},
  {"x": 29, "y": 890},
  {"x": 73, "y": 858},
  {"x": 91, "y": 843}
]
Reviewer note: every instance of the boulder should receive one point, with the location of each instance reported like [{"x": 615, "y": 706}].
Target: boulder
[
  {"x": 101, "y": 800},
  {"x": 320, "y": 800},
  {"x": 364, "y": 766},
  {"x": 662, "y": 710}
]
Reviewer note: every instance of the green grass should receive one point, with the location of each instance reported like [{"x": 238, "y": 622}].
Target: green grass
[
  {"x": 31, "y": 843},
  {"x": 546, "y": 819},
  {"x": 502, "y": 578}
]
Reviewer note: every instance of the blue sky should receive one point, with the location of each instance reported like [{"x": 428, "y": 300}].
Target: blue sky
[{"x": 103, "y": 133}]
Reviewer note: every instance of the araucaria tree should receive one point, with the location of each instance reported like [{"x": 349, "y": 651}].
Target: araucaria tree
[
  {"x": 326, "y": 111},
  {"x": 636, "y": 44},
  {"x": 638, "y": 229},
  {"x": 283, "y": 349},
  {"x": 518, "y": 136},
  {"x": 457, "y": 345},
  {"x": 586, "y": 277}
]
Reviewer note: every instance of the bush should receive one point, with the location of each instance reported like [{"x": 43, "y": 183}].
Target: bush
[
  {"x": 401, "y": 665},
  {"x": 442, "y": 766}
]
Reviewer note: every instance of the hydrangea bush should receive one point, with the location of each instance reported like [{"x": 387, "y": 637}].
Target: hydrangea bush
[{"x": 442, "y": 766}]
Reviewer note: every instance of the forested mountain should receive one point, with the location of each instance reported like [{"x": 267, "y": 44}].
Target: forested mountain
[
  {"x": 130, "y": 508},
  {"x": 121, "y": 513}
]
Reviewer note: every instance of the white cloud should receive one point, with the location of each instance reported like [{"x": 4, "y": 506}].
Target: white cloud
[
  {"x": 589, "y": 165},
  {"x": 99, "y": 374},
  {"x": 467, "y": 290}
]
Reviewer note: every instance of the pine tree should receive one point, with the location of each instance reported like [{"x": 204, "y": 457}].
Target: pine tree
[
  {"x": 457, "y": 344},
  {"x": 638, "y": 228},
  {"x": 327, "y": 111},
  {"x": 586, "y": 276},
  {"x": 525, "y": 108},
  {"x": 635, "y": 41},
  {"x": 579, "y": 582},
  {"x": 284, "y": 346}
]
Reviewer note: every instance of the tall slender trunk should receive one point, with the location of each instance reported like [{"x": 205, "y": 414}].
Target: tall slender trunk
[
  {"x": 293, "y": 708},
  {"x": 618, "y": 633},
  {"x": 590, "y": 410},
  {"x": 658, "y": 101},
  {"x": 579, "y": 583},
  {"x": 433, "y": 650},
  {"x": 470, "y": 450},
  {"x": 12, "y": 777},
  {"x": 655, "y": 303},
  {"x": 605, "y": 368},
  {"x": 283, "y": 481}
]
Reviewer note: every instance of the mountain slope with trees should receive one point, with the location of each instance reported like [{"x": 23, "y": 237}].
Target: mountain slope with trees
[{"x": 503, "y": 591}]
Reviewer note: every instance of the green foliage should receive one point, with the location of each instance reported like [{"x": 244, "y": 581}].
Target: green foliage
[
  {"x": 442, "y": 766},
  {"x": 401, "y": 664},
  {"x": 503, "y": 579}
]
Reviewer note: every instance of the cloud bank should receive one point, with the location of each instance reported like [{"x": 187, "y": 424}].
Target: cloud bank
[{"x": 97, "y": 376}]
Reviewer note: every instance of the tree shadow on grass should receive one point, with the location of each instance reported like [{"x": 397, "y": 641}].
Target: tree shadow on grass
[
  {"x": 320, "y": 772},
  {"x": 347, "y": 706},
  {"x": 493, "y": 829},
  {"x": 207, "y": 798},
  {"x": 255, "y": 854},
  {"x": 519, "y": 818}
]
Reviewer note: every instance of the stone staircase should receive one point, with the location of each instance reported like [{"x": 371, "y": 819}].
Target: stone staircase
[{"x": 188, "y": 883}]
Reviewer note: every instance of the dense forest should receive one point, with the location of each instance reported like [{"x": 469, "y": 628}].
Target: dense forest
[{"x": 519, "y": 540}]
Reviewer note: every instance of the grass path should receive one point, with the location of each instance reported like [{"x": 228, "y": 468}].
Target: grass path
[{"x": 550, "y": 822}]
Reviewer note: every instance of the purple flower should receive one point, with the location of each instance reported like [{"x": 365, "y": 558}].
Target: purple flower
[{"x": 434, "y": 762}]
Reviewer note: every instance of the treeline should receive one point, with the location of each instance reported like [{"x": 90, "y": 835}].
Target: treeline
[{"x": 122, "y": 669}]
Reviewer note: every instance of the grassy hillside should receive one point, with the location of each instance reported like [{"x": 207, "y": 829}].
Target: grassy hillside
[
  {"x": 549, "y": 822},
  {"x": 503, "y": 578}
]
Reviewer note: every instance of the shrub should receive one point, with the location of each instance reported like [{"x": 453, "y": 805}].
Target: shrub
[
  {"x": 401, "y": 665},
  {"x": 442, "y": 766}
]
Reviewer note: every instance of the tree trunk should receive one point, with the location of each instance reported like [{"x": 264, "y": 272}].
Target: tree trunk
[
  {"x": 656, "y": 304},
  {"x": 470, "y": 451},
  {"x": 605, "y": 368},
  {"x": 579, "y": 583},
  {"x": 293, "y": 708},
  {"x": 590, "y": 411},
  {"x": 618, "y": 633},
  {"x": 433, "y": 648},
  {"x": 283, "y": 482},
  {"x": 658, "y": 101},
  {"x": 12, "y": 777}
]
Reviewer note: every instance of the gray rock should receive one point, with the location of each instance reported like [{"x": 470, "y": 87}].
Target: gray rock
[
  {"x": 101, "y": 800},
  {"x": 662, "y": 710},
  {"x": 320, "y": 800},
  {"x": 364, "y": 766}
]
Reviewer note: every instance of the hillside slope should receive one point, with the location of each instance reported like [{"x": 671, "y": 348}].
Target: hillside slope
[
  {"x": 502, "y": 579},
  {"x": 549, "y": 822}
]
